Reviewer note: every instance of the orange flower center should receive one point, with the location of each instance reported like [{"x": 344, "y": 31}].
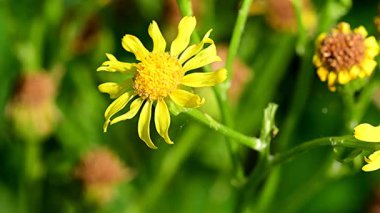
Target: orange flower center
[
  {"x": 340, "y": 51},
  {"x": 157, "y": 75}
]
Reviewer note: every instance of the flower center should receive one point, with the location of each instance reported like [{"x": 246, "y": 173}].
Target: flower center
[
  {"x": 157, "y": 75},
  {"x": 341, "y": 51}
]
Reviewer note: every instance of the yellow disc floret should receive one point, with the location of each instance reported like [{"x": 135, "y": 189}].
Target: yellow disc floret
[{"x": 157, "y": 75}]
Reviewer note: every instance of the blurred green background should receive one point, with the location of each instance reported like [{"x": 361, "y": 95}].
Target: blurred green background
[{"x": 53, "y": 113}]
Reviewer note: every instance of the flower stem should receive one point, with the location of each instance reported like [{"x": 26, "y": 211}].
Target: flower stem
[
  {"x": 344, "y": 141},
  {"x": 236, "y": 37},
  {"x": 204, "y": 118}
]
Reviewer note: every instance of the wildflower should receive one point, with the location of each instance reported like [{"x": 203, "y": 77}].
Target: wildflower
[
  {"x": 100, "y": 171},
  {"x": 344, "y": 55},
  {"x": 369, "y": 133},
  {"x": 280, "y": 14},
  {"x": 160, "y": 77},
  {"x": 32, "y": 108}
]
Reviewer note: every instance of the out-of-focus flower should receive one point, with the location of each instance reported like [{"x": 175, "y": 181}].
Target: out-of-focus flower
[
  {"x": 32, "y": 108},
  {"x": 281, "y": 16},
  {"x": 101, "y": 171},
  {"x": 160, "y": 77},
  {"x": 344, "y": 55},
  {"x": 369, "y": 133},
  {"x": 376, "y": 20},
  {"x": 240, "y": 77}
]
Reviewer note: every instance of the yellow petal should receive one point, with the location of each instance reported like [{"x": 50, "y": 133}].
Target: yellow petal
[
  {"x": 205, "y": 79},
  {"x": 368, "y": 65},
  {"x": 354, "y": 72},
  {"x": 371, "y": 167},
  {"x": 159, "y": 42},
  {"x": 115, "y": 107},
  {"x": 134, "y": 108},
  {"x": 185, "y": 28},
  {"x": 317, "y": 61},
  {"x": 372, "y": 47},
  {"x": 374, "y": 157},
  {"x": 344, "y": 27},
  {"x": 162, "y": 120},
  {"x": 367, "y": 132},
  {"x": 186, "y": 99},
  {"x": 144, "y": 124},
  {"x": 195, "y": 48},
  {"x": 113, "y": 65},
  {"x": 343, "y": 77},
  {"x": 319, "y": 39},
  {"x": 115, "y": 89},
  {"x": 331, "y": 78},
  {"x": 362, "y": 31},
  {"x": 203, "y": 58},
  {"x": 133, "y": 44},
  {"x": 322, "y": 73}
]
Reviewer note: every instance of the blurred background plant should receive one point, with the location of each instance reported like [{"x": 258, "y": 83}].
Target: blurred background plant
[{"x": 56, "y": 158}]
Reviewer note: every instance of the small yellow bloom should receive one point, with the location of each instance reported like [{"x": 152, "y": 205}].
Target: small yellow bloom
[
  {"x": 344, "y": 55},
  {"x": 160, "y": 77},
  {"x": 369, "y": 133}
]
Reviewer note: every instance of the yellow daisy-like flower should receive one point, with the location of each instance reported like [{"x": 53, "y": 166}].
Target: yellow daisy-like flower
[
  {"x": 160, "y": 77},
  {"x": 344, "y": 55},
  {"x": 369, "y": 133}
]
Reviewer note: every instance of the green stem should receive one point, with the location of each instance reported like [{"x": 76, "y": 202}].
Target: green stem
[
  {"x": 204, "y": 118},
  {"x": 236, "y": 37},
  {"x": 344, "y": 141}
]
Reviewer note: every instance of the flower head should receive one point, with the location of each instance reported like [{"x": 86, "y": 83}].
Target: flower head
[
  {"x": 160, "y": 77},
  {"x": 344, "y": 55},
  {"x": 369, "y": 133}
]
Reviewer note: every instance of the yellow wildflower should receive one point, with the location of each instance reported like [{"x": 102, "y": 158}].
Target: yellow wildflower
[
  {"x": 160, "y": 77},
  {"x": 369, "y": 133},
  {"x": 344, "y": 55}
]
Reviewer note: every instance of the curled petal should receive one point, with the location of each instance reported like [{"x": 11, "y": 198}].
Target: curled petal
[
  {"x": 115, "y": 107},
  {"x": 373, "y": 162},
  {"x": 144, "y": 124},
  {"x": 113, "y": 65},
  {"x": 159, "y": 42},
  {"x": 185, "y": 28},
  {"x": 133, "y": 44},
  {"x": 205, "y": 79},
  {"x": 162, "y": 120},
  {"x": 367, "y": 132},
  {"x": 135, "y": 106},
  {"x": 203, "y": 58},
  {"x": 195, "y": 48},
  {"x": 115, "y": 89},
  {"x": 186, "y": 99}
]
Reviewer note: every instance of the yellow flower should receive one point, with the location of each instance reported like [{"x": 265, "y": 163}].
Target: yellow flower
[
  {"x": 160, "y": 77},
  {"x": 369, "y": 133},
  {"x": 344, "y": 55}
]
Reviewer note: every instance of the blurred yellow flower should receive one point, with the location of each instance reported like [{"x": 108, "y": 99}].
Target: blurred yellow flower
[
  {"x": 344, "y": 55},
  {"x": 369, "y": 133},
  {"x": 160, "y": 77}
]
